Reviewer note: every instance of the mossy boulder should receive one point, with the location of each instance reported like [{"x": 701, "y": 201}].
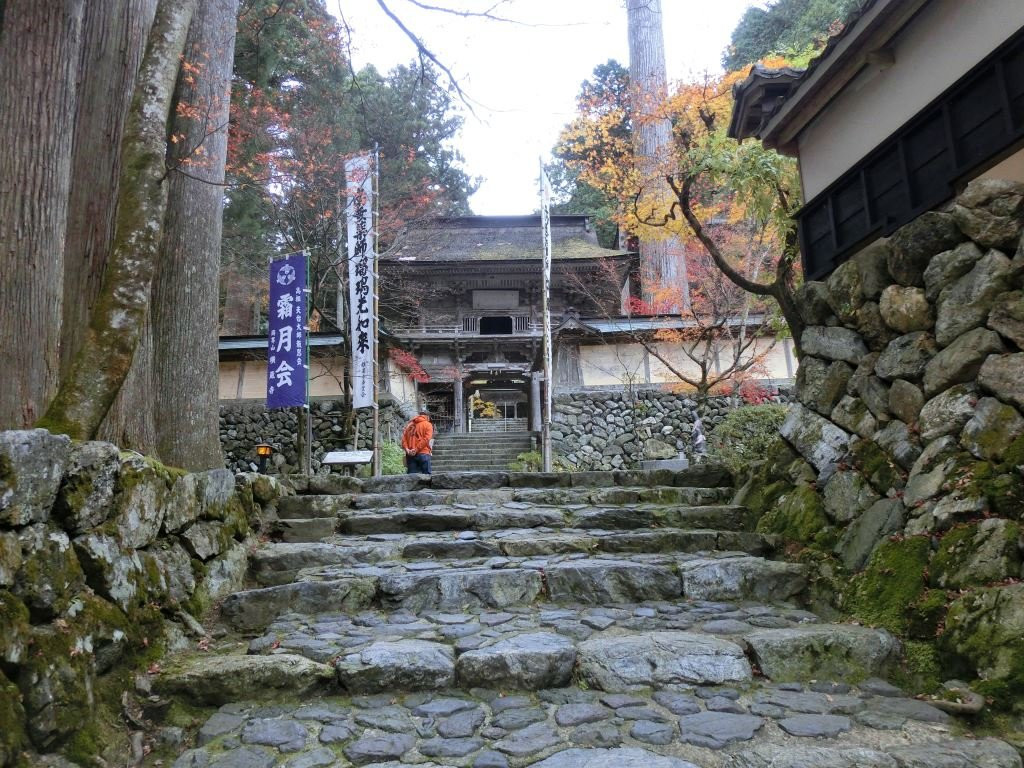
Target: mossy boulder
[
  {"x": 985, "y": 634},
  {"x": 800, "y": 516},
  {"x": 56, "y": 683},
  {"x": 885, "y": 593},
  {"x": 50, "y": 575},
  {"x": 13, "y": 738},
  {"x": 914, "y": 244},
  {"x": 85, "y": 496},
  {"x": 140, "y": 501},
  {"x": 175, "y": 568},
  {"x": 975, "y": 554},
  {"x": 182, "y": 504},
  {"x": 992, "y": 429},
  {"x": 847, "y": 495},
  {"x": 32, "y": 463},
  {"x": 880, "y": 470},
  {"x": 110, "y": 571},
  {"x": 218, "y": 500},
  {"x": 15, "y": 634},
  {"x": 767, "y": 480},
  {"x": 883, "y": 518},
  {"x": 10, "y": 557}
]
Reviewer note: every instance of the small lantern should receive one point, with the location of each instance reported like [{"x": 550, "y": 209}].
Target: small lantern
[{"x": 263, "y": 450}]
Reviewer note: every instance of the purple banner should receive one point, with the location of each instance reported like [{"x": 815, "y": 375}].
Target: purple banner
[{"x": 286, "y": 337}]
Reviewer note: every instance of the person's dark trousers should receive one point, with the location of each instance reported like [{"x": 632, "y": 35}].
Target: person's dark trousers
[{"x": 419, "y": 464}]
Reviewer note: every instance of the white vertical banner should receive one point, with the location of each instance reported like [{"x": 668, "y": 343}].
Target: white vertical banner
[
  {"x": 359, "y": 190},
  {"x": 545, "y": 226}
]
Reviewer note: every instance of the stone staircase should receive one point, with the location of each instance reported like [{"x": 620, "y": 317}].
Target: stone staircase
[
  {"x": 479, "y": 451},
  {"x": 484, "y": 620}
]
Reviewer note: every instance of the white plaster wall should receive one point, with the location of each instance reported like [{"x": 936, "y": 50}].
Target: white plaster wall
[
  {"x": 325, "y": 374},
  {"x": 611, "y": 364},
  {"x": 945, "y": 41}
]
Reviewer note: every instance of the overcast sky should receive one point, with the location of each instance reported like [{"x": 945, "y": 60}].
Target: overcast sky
[{"x": 523, "y": 78}]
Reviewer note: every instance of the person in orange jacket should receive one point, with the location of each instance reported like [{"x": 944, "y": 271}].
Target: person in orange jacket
[{"x": 417, "y": 441}]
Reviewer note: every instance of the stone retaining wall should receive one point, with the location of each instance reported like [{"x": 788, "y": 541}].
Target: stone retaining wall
[
  {"x": 904, "y": 457},
  {"x": 616, "y": 430},
  {"x": 105, "y": 559},
  {"x": 243, "y": 424}
]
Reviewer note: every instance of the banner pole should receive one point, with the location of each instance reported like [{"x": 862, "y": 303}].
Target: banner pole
[
  {"x": 376, "y": 315},
  {"x": 307, "y": 458},
  {"x": 545, "y": 224}
]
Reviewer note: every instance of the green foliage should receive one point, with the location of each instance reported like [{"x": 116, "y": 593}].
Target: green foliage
[
  {"x": 791, "y": 28},
  {"x": 392, "y": 459},
  {"x": 887, "y": 592},
  {"x": 745, "y": 435},
  {"x": 800, "y": 517},
  {"x": 533, "y": 461}
]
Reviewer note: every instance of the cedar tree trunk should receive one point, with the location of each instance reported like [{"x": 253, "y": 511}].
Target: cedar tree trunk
[
  {"x": 185, "y": 294},
  {"x": 102, "y": 362},
  {"x": 39, "y": 54}
]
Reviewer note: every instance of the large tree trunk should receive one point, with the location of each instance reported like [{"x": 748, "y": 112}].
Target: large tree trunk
[
  {"x": 39, "y": 54},
  {"x": 185, "y": 295},
  {"x": 113, "y": 42},
  {"x": 131, "y": 421},
  {"x": 102, "y": 362},
  {"x": 662, "y": 259}
]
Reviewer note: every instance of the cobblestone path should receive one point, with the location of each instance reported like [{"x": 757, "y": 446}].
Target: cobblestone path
[{"x": 484, "y": 620}]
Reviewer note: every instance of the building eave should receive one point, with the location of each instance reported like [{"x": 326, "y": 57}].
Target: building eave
[{"x": 863, "y": 42}]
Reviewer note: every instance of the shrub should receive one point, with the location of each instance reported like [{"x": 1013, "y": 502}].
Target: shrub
[
  {"x": 392, "y": 461},
  {"x": 745, "y": 434},
  {"x": 533, "y": 461}
]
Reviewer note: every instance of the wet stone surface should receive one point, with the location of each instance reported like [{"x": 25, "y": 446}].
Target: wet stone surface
[
  {"x": 325, "y": 637},
  {"x": 482, "y": 728}
]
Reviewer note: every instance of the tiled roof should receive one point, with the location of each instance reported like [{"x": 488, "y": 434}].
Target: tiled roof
[{"x": 496, "y": 238}]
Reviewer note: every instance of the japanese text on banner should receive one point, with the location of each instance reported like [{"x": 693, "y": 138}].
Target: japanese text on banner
[
  {"x": 361, "y": 278},
  {"x": 286, "y": 337}
]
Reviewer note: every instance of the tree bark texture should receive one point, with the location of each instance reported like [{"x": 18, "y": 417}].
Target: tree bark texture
[
  {"x": 663, "y": 260},
  {"x": 116, "y": 322},
  {"x": 185, "y": 293},
  {"x": 131, "y": 421},
  {"x": 113, "y": 42},
  {"x": 39, "y": 53}
]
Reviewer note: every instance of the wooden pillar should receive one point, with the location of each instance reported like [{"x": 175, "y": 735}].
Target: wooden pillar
[
  {"x": 535, "y": 402},
  {"x": 458, "y": 406}
]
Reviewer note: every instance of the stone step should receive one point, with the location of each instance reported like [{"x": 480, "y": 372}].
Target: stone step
[
  {"x": 650, "y": 646},
  {"x": 511, "y": 515},
  {"x": 707, "y": 475},
  {"x": 502, "y": 583},
  {"x": 277, "y": 563},
  {"x": 308, "y": 506},
  {"x": 736, "y": 726}
]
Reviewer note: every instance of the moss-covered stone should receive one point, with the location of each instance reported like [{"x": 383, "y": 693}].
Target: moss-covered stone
[
  {"x": 984, "y": 635},
  {"x": 979, "y": 553},
  {"x": 877, "y": 466},
  {"x": 56, "y": 682},
  {"x": 13, "y": 738},
  {"x": 892, "y": 584},
  {"x": 10, "y": 557},
  {"x": 50, "y": 574},
  {"x": 767, "y": 480},
  {"x": 140, "y": 500},
  {"x": 927, "y": 615},
  {"x": 85, "y": 496},
  {"x": 921, "y": 669},
  {"x": 800, "y": 516},
  {"x": 15, "y": 632}
]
